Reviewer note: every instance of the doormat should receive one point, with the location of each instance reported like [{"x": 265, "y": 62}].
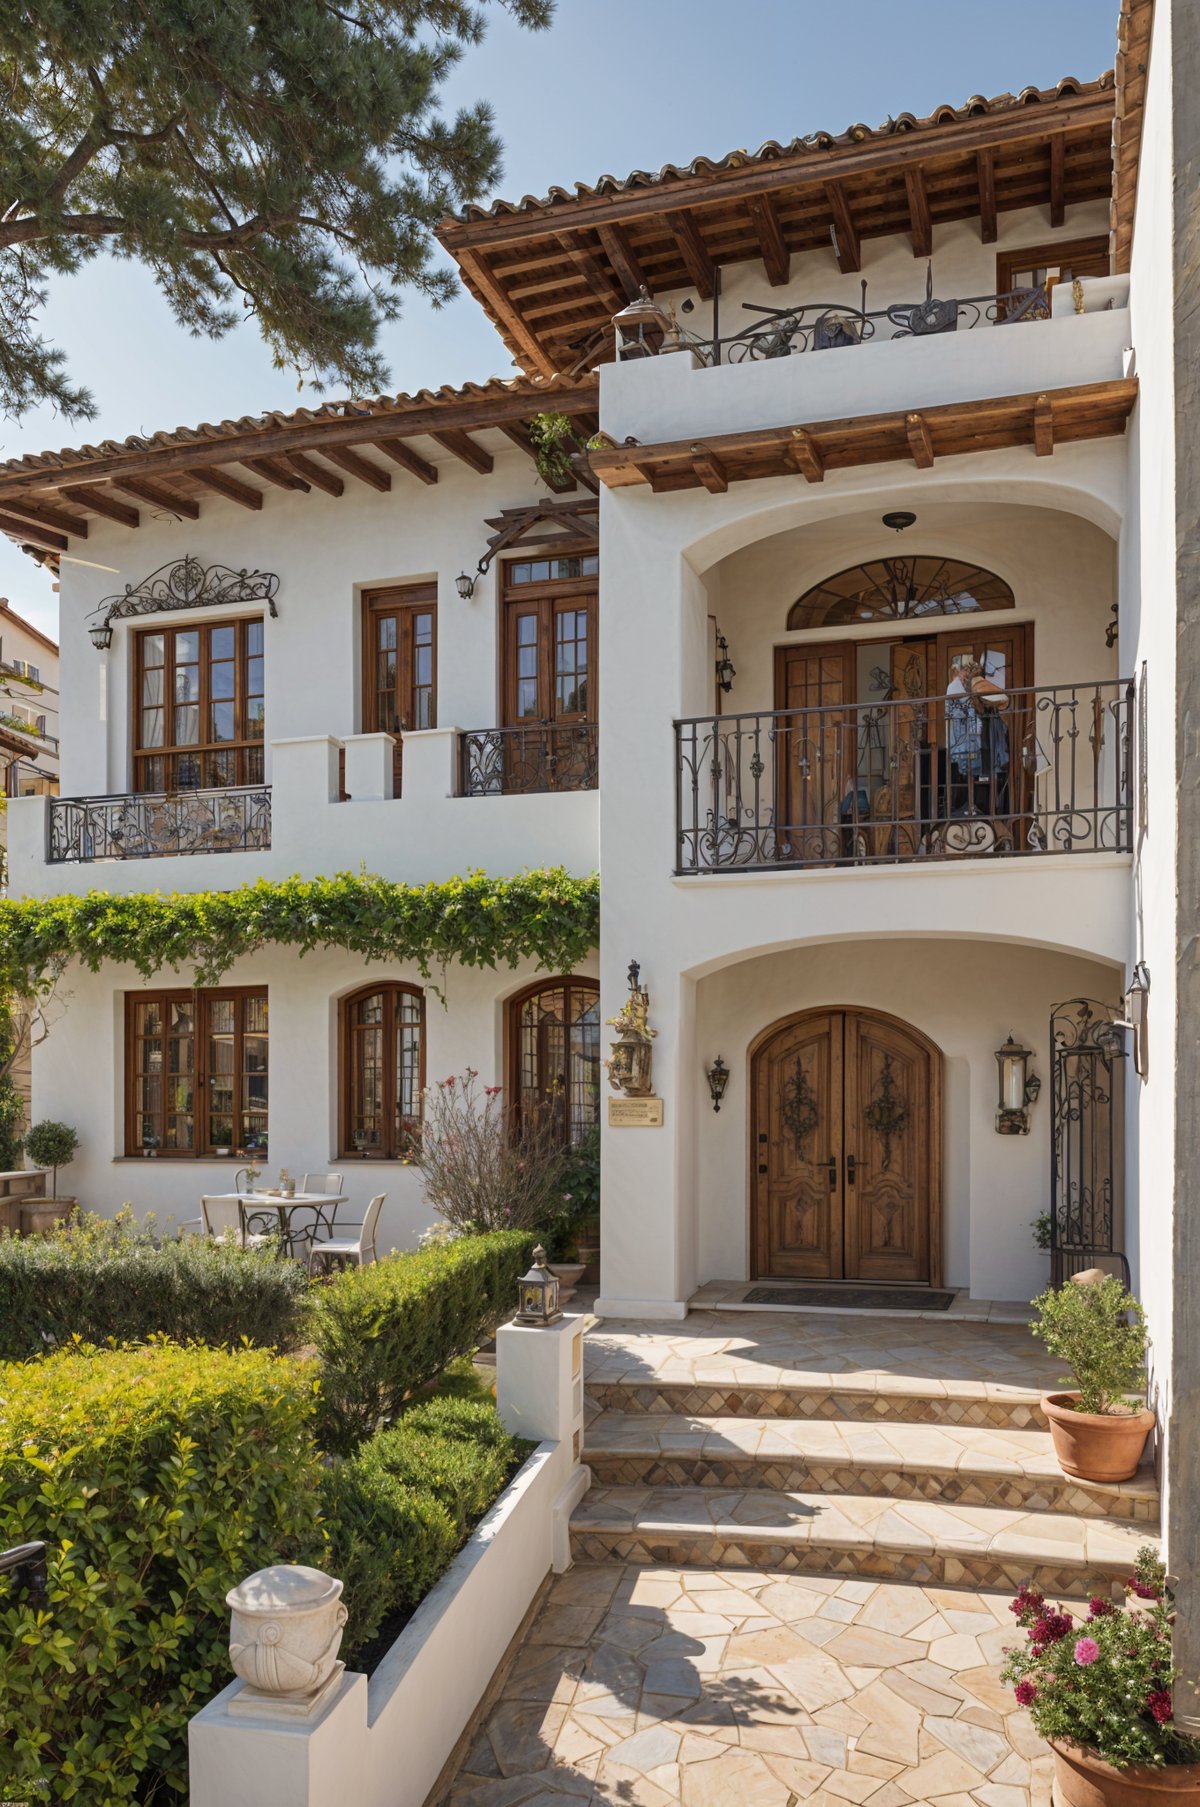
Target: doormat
[{"x": 853, "y": 1298}]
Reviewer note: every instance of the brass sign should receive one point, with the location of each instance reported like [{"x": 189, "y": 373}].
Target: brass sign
[{"x": 635, "y": 1113}]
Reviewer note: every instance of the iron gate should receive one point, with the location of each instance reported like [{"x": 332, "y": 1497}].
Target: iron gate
[{"x": 1087, "y": 1054}]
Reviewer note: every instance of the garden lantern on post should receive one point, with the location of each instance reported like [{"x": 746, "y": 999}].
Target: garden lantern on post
[{"x": 537, "y": 1293}]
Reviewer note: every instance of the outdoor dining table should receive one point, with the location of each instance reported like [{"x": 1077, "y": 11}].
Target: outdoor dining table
[{"x": 257, "y": 1209}]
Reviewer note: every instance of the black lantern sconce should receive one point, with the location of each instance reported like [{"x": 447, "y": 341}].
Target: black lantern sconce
[
  {"x": 1019, "y": 1089},
  {"x": 726, "y": 671},
  {"x": 537, "y": 1293},
  {"x": 100, "y": 634},
  {"x": 465, "y": 585},
  {"x": 718, "y": 1079}
]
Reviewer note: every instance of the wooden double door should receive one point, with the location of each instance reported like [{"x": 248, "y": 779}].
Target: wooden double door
[{"x": 845, "y": 1150}]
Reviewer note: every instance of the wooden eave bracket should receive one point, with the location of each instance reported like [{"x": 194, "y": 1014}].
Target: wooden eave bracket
[
  {"x": 1043, "y": 426},
  {"x": 920, "y": 441}
]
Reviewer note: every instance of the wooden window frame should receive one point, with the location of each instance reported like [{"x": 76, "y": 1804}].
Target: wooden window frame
[
  {"x": 512, "y": 1038},
  {"x": 201, "y": 1000},
  {"x": 1053, "y": 252},
  {"x": 391, "y": 988},
  {"x": 544, "y": 595},
  {"x": 171, "y": 750},
  {"x": 405, "y": 600}
]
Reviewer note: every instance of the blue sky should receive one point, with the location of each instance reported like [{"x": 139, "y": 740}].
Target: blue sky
[{"x": 614, "y": 85}]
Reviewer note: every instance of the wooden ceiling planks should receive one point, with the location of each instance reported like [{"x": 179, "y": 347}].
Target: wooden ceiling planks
[{"x": 1041, "y": 422}]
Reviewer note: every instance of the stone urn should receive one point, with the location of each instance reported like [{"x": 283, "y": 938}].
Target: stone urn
[
  {"x": 284, "y": 1636},
  {"x": 568, "y": 1274},
  {"x": 41, "y": 1215}
]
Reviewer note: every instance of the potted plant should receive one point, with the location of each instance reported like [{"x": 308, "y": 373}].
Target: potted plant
[
  {"x": 1099, "y": 1330},
  {"x": 51, "y": 1145},
  {"x": 150, "y": 1143},
  {"x": 564, "y": 1230},
  {"x": 1100, "y": 1691}
]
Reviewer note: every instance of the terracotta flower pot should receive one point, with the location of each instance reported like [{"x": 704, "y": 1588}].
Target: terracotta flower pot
[
  {"x": 1082, "y": 1780},
  {"x": 41, "y": 1215},
  {"x": 1096, "y": 1446}
]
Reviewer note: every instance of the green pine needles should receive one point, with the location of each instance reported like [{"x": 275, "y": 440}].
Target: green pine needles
[{"x": 546, "y": 916}]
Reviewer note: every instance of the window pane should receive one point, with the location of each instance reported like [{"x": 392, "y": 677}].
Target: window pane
[
  {"x": 152, "y": 649},
  {"x": 221, "y": 679},
  {"x": 222, "y": 721},
  {"x": 221, "y": 642}
]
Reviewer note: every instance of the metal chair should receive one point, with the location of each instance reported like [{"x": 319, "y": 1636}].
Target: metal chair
[
  {"x": 221, "y": 1215},
  {"x": 361, "y": 1248},
  {"x": 324, "y": 1216}
]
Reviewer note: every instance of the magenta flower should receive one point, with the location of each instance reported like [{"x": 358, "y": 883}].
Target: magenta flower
[
  {"x": 1159, "y": 1705},
  {"x": 1050, "y": 1628},
  {"x": 1086, "y": 1651},
  {"x": 1026, "y": 1693},
  {"x": 1099, "y": 1607}
]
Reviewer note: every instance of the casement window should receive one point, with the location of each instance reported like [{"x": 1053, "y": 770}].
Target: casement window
[
  {"x": 400, "y": 664},
  {"x": 197, "y": 1070},
  {"x": 554, "y": 1053},
  {"x": 382, "y": 1055},
  {"x": 549, "y": 651},
  {"x": 198, "y": 713}
]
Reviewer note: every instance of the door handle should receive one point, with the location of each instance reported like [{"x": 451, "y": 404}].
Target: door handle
[
  {"x": 851, "y": 1169},
  {"x": 831, "y": 1163}
]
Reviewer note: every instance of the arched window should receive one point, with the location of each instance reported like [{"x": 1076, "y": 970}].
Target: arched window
[
  {"x": 554, "y": 1052},
  {"x": 900, "y": 589},
  {"x": 382, "y": 1046}
]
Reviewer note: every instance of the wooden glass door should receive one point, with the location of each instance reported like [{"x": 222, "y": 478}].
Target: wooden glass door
[
  {"x": 399, "y": 665},
  {"x": 845, "y": 1144},
  {"x": 982, "y": 782},
  {"x": 548, "y": 676},
  {"x": 816, "y": 753}
]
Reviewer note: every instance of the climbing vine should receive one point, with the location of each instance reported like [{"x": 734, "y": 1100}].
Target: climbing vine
[{"x": 547, "y": 916}]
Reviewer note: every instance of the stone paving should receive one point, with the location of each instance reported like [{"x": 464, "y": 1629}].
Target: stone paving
[{"x": 716, "y": 1688}]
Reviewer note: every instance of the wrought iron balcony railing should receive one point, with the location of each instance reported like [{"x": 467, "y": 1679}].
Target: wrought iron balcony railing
[
  {"x": 906, "y": 779},
  {"x": 540, "y": 756},
  {"x": 138, "y": 827}
]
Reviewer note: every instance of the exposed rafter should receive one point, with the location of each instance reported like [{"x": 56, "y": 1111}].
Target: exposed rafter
[
  {"x": 847, "y": 247},
  {"x": 804, "y": 455},
  {"x": 695, "y": 253},
  {"x": 159, "y": 496},
  {"x": 775, "y": 256},
  {"x": 920, "y": 441},
  {"x": 101, "y": 503},
  {"x": 222, "y": 484},
  {"x": 918, "y": 212},
  {"x": 582, "y": 258},
  {"x": 407, "y": 459},
  {"x": 362, "y": 468},
  {"x": 468, "y": 449},
  {"x": 315, "y": 473},
  {"x": 1043, "y": 426},
  {"x": 621, "y": 256},
  {"x": 57, "y": 519},
  {"x": 275, "y": 471},
  {"x": 985, "y": 174}
]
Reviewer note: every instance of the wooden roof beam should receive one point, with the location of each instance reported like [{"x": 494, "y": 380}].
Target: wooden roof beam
[
  {"x": 407, "y": 459},
  {"x": 54, "y": 518},
  {"x": 582, "y": 258},
  {"x": 695, "y": 253},
  {"x": 846, "y": 244},
  {"x": 918, "y": 211},
  {"x": 804, "y": 455},
  {"x": 222, "y": 484},
  {"x": 710, "y": 470},
  {"x": 985, "y": 175},
  {"x": 362, "y": 468},
  {"x": 159, "y": 496},
  {"x": 1043, "y": 426},
  {"x": 30, "y": 534},
  {"x": 315, "y": 473},
  {"x": 771, "y": 242},
  {"x": 275, "y": 471},
  {"x": 623, "y": 258},
  {"x": 101, "y": 503},
  {"x": 466, "y": 448},
  {"x": 489, "y": 286},
  {"x": 1058, "y": 205},
  {"x": 512, "y": 429},
  {"x": 920, "y": 440}
]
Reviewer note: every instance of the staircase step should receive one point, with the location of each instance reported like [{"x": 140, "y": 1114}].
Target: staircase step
[
  {"x": 863, "y": 1398},
  {"x": 854, "y": 1534},
  {"x": 955, "y": 1464}
]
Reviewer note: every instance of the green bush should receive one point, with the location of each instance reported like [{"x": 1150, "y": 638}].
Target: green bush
[
  {"x": 464, "y": 1476},
  {"x": 159, "y": 1478},
  {"x": 382, "y": 1331},
  {"x": 1099, "y": 1330},
  {"x": 105, "y": 1281}
]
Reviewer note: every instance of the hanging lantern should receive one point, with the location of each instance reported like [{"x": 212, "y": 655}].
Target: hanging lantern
[
  {"x": 641, "y": 327},
  {"x": 537, "y": 1293}
]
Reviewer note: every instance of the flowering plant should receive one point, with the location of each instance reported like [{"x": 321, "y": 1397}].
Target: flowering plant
[
  {"x": 486, "y": 1165},
  {"x": 1103, "y": 1682}
]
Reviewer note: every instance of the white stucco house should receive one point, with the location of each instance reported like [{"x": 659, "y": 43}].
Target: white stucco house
[{"x": 845, "y": 650}]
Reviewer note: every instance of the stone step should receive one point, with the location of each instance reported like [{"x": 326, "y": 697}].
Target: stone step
[
  {"x": 956, "y": 1464},
  {"x": 854, "y": 1534},
  {"x": 864, "y": 1398}
]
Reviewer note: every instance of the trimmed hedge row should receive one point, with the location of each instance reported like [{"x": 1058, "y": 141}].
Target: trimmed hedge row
[
  {"x": 106, "y": 1282},
  {"x": 385, "y": 1330}
]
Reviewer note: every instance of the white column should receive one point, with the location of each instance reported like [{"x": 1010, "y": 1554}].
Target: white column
[
  {"x": 369, "y": 767},
  {"x": 236, "y": 1760},
  {"x": 539, "y": 1395},
  {"x": 430, "y": 764}
]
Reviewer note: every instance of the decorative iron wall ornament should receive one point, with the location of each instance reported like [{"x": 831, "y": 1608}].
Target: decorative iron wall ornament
[
  {"x": 887, "y": 1113},
  {"x": 186, "y": 584},
  {"x": 798, "y": 1105}
]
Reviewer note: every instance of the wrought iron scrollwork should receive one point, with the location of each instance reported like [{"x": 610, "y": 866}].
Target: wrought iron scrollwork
[
  {"x": 187, "y": 584},
  {"x": 887, "y": 1113},
  {"x": 146, "y": 827},
  {"x": 549, "y": 756},
  {"x": 1087, "y": 1135},
  {"x": 798, "y": 1105}
]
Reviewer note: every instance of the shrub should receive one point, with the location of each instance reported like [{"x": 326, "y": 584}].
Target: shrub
[
  {"x": 159, "y": 1477},
  {"x": 52, "y": 1145},
  {"x": 485, "y": 1167},
  {"x": 382, "y": 1331},
  {"x": 474, "y": 1421},
  {"x": 1104, "y": 1683},
  {"x": 106, "y": 1281},
  {"x": 1099, "y": 1330},
  {"x": 463, "y": 1475}
]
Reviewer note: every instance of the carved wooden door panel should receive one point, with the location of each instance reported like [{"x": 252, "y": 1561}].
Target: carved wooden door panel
[
  {"x": 896, "y": 804},
  {"x": 889, "y": 1098},
  {"x": 816, "y": 754},
  {"x": 797, "y": 1151}
]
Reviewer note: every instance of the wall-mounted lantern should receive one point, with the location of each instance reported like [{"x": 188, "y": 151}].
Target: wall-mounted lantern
[
  {"x": 465, "y": 586},
  {"x": 726, "y": 671},
  {"x": 718, "y": 1079},
  {"x": 537, "y": 1293},
  {"x": 1018, "y": 1089},
  {"x": 1137, "y": 1003},
  {"x": 101, "y": 635}
]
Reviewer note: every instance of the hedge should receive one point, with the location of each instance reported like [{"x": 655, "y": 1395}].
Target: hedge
[
  {"x": 106, "y": 1282},
  {"x": 383, "y": 1331},
  {"x": 158, "y": 1477}
]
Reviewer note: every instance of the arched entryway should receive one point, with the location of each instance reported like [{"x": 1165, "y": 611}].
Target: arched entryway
[{"x": 846, "y": 1149}]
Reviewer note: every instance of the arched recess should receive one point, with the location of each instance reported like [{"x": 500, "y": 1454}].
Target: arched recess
[{"x": 846, "y": 1149}]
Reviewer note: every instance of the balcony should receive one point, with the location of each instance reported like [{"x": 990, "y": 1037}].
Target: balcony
[
  {"x": 906, "y": 780},
  {"x": 538, "y": 757},
  {"x": 139, "y": 827}
]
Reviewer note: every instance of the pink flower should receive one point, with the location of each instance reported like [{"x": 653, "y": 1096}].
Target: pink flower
[
  {"x": 1086, "y": 1651},
  {"x": 1026, "y": 1693},
  {"x": 1158, "y": 1705}
]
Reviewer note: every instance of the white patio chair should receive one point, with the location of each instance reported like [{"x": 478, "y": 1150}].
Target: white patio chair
[
  {"x": 324, "y": 1217},
  {"x": 330, "y": 1183},
  {"x": 221, "y": 1215},
  {"x": 361, "y": 1248}
]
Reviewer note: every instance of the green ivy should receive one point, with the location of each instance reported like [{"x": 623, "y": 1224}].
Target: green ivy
[{"x": 547, "y": 916}]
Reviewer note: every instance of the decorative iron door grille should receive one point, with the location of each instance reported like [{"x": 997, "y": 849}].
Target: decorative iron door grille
[{"x": 1087, "y": 1054}]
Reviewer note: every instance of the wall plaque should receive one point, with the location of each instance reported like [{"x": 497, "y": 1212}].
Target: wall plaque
[{"x": 635, "y": 1113}]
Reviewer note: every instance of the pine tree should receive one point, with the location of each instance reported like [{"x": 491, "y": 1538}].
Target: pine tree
[{"x": 285, "y": 158}]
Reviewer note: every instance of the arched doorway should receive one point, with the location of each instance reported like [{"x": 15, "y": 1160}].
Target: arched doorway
[{"x": 846, "y": 1149}]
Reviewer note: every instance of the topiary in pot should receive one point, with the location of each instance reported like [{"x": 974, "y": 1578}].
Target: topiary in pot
[
  {"x": 52, "y": 1145},
  {"x": 1099, "y": 1330}
]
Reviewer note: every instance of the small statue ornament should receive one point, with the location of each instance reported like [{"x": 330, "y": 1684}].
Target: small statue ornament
[
  {"x": 630, "y": 1067},
  {"x": 284, "y": 1634}
]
